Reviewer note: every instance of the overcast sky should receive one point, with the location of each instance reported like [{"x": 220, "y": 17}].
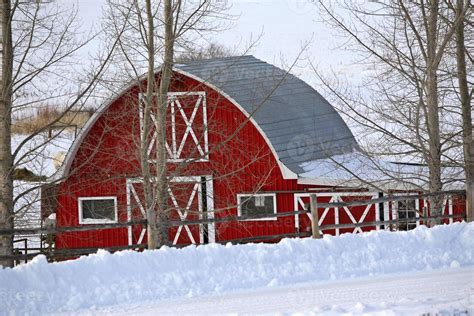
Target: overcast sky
[{"x": 285, "y": 26}]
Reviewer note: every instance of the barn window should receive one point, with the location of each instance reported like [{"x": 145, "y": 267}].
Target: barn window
[
  {"x": 97, "y": 210},
  {"x": 257, "y": 205},
  {"x": 407, "y": 210}
]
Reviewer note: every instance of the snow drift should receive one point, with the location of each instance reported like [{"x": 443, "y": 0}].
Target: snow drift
[{"x": 131, "y": 277}]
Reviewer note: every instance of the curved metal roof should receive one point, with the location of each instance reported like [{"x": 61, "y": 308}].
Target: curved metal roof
[{"x": 299, "y": 123}]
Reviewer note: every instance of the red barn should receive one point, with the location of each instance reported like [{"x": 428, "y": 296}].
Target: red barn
[{"x": 239, "y": 132}]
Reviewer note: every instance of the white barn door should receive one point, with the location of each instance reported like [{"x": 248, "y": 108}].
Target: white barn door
[
  {"x": 186, "y": 130},
  {"x": 189, "y": 198}
]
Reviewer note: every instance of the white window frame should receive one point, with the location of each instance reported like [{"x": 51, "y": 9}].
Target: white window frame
[
  {"x": 239, "y": 209},
  {"x": 85, "y": 221},
  {"x": 416, "y": 210}
]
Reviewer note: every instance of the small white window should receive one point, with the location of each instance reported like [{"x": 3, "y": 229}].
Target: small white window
[
  {"x": 407, "y": 211},
  {"x": 98, "y": 210},
  {"x": 257, "y": 205}
]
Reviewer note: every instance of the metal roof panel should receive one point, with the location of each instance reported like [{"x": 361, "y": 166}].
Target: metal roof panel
[{"x": 301, "y": 125}]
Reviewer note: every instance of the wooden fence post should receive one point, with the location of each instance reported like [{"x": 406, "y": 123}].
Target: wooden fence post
[
  {"x": 469, "y": 201},
  {"x": 470, "y": 188},
  {"x": 314, "y": 216}
]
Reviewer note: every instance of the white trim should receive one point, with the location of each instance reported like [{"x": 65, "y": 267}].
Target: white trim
[
  {"x": 85, "y": 221},
  {"x": 239, "y": 203},
  {"x": 417, "y": 210},
  {"x": 351, "y": 183},
  {"x": 377, "y": 215},
  {"x": 129, "y": 214},
  {"x": 285, "y": 171},
  {"x": 450, "y": 208},
  {"x": 65, "y": 167},
  {"x": 297, "y": 218},
  {"x": 176, "y": 148},
  {"x": 386, "y": 214},
  {"x": 337, "y": 197},
  {"x": 182, "y": 215},
  {"x": 331, "y": 182},
  {"x": 186, "y": 179},
  {"x": 211, "y": 227},
  {"x": 131, "y": 191},
  {"x": 395, "y": 210}
]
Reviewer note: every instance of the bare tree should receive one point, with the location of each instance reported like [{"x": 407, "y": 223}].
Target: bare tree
[
  {"x": 40, "y": 41},
  {"x": 158, "y": 27},
  {"x": 6, "y": 158},
  {"x": 213, "y": 50},
  {"x": 465, "y": 96},
  {"x": 402, "y": 108}
]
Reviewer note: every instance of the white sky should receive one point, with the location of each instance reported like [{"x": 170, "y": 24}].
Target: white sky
[{"x": 285, "y": 27}]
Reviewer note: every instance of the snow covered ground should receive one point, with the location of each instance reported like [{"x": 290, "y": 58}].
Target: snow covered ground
[
  {"x": 424, "y": 270},
  {"x": 444, "y": 292}
]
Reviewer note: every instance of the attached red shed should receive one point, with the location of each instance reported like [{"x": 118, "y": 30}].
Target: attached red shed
[{"x": 238, "y": 132}]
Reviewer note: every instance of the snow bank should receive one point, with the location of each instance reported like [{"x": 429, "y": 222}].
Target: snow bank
[{"x": 130, "y": 277}]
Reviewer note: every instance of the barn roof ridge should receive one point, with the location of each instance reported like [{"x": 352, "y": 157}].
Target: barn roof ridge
[{"x": 297, "y": 122}]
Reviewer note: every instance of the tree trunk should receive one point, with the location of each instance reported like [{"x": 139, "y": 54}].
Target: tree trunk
[
  {"x": 6, "y": 160},
  {"x": 166, "y": 73},
  {"x": 151, "y": 215},
  {"x": 465, "y": 106},
  {"x": 431, "y": 86}
]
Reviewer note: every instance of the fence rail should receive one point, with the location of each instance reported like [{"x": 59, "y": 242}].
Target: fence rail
[
  {"x": 69, "y": 253},
  {"x": 310, "y": 209},
  {"x": 68, "y": 229}
]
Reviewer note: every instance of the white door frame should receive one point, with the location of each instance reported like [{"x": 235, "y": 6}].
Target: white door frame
[{"x": 211, "y": 232}]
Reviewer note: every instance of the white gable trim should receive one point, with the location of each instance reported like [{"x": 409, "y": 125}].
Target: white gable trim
[{"x": 63, "y": 171}]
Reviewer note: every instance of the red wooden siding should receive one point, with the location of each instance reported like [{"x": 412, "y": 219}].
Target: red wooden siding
[{"x": 108, "y": 157}]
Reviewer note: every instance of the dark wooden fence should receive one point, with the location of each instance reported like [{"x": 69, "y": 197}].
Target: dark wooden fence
[{"x": 58, "y": 254}]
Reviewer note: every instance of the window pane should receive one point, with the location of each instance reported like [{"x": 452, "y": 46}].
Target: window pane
[
  {"x": 98, "y": 209},
  {"x": 406, "y": 205},
  {"x": 257, "y": 205},
  {"x": 406, "y": 210}
]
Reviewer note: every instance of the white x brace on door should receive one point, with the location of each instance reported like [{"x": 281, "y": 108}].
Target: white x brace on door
[
  {"x": 199, "y": 192},
  {"x": 186, "y": 118},
  {"x": 301, "y": 198}
]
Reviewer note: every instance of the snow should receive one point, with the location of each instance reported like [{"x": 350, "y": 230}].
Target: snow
[
  {"x": 415, "y": 293},
  {"x": 27, "y": 213},
  {"x": 130, "y": 278},
  {"x": 357, "y": 168},
  {"x": 39, "y": 153},
  {"x": 430, "y": 270}
]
